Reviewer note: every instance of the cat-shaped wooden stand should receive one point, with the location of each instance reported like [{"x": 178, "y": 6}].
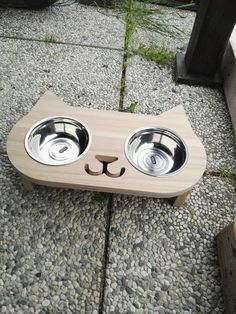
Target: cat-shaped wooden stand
[{"x": 109, "y": 131}]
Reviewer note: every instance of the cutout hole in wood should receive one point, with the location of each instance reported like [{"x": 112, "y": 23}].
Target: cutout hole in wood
[
  {"x": 104, "y": 162},
  {"x": 106, "y": 159},
  {"x": 116, "y": 175},
  {"x": 91, "y": 172}
]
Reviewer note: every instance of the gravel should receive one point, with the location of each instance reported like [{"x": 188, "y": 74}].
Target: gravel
[
  {"x": 81, "y": 76},
  {"x": 76, "y": 24},
  {"x": 51, "y": 248},
  {"x": 176, "y": 269}
]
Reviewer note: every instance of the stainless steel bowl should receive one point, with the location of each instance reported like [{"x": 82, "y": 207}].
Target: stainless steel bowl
[
  {"x": 57, "y": 140},
  {"x": 156, "y": 151}
]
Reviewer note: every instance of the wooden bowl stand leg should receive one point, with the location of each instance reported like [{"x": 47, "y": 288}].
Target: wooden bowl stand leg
[
  {"x": 28, "y": 185},
  {"x": 179, "y": 200}
]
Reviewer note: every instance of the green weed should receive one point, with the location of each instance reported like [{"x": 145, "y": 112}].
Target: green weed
[
  {"x": 224, "y": 172},
  {"x": 121, "y": 85},
  {"x": 150, "y": 18},
  {"x": 160, "y": 55},
  {"x": 125, "y": 64},
  {"x": 50, "y": 39},
  {"x": 127, "y": 9},
  {"x": 141, "y": 14},
  {"x": 131, "y": 107}
]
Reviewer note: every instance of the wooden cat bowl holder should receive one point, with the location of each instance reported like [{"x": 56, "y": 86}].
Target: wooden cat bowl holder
[{"x": 105, "y": 166}]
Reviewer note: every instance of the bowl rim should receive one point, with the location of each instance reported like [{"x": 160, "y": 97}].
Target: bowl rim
[
  {"x": 167, "y": 175},
  {"x": 35, "y": 125}
]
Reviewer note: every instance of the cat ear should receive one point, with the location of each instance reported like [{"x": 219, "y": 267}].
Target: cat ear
[
  {"x": 175, "y": 119},
  {"x": 49, "y": 102}
]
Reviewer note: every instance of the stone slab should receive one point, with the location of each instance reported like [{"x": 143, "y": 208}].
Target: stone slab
[
  {"x": 52, "y": 244},
  {"x": 74, "y": 23},
  {"x": 164, "y": 260},
  {"x": 87, "y": 77},
  {"x": 229, "y": 77},
  {"x": 155, "y": 90}
]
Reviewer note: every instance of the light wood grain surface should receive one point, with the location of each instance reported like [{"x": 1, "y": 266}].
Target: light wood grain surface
[{"x": 109, "y": 130}]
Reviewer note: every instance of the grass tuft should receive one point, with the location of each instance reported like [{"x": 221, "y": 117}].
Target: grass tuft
[
  {"x": 161, "y": 55},
  {"x": 50, "y": 39},
  {"x": 131, "y": 107},
  {"x": 150, "y": 18},
  {"x": 224, "y": 172}
]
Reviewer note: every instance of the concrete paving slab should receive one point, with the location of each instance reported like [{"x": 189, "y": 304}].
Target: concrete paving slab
[
  {"x": 87, "y": 77},
  {"x": 51, "y": 247},
  {"x": 178, "y": 21},
  {"x": 74, "y": 24},
  {"x": 164, "y": 260},
  {"x": 154, "y": 88}
]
